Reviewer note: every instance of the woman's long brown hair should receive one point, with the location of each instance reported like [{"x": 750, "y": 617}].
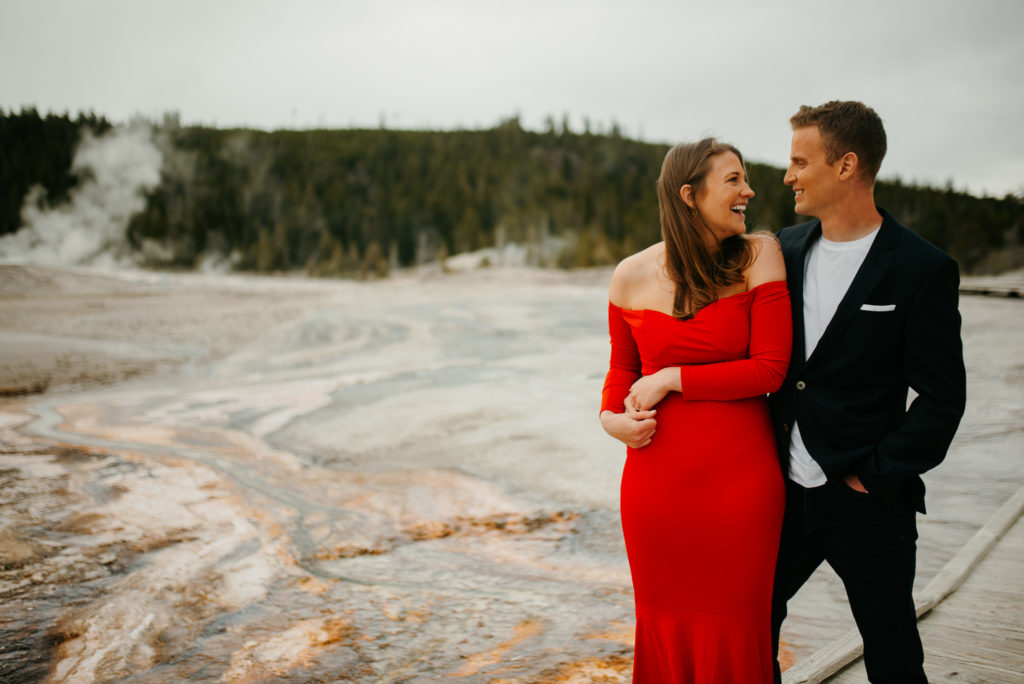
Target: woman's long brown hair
[{"x": 699, "y": 273}]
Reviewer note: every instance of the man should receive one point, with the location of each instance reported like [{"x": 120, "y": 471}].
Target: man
[{"x": 874, "y": 312}]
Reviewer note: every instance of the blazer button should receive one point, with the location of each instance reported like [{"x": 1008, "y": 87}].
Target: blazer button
[
  {"x": 800, "y": 384},
  {"x": 785, "y": 426}
]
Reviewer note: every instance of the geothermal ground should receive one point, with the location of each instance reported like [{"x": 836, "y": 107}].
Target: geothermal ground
[{"x": 240, "y": 479}]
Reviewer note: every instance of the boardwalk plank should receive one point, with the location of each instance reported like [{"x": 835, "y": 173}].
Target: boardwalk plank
[{"x": 976, "y": 634}]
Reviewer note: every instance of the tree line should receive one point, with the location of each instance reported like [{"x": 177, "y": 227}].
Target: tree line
[
  {"x": 37, "y": 150},
  {"x": 361, "y": 202}
]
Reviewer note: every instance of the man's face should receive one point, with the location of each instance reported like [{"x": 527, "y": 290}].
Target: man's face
[{"x": 815, "y": 182}]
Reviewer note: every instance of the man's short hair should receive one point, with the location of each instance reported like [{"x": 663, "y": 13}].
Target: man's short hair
[{"x": 847, "y": 126}]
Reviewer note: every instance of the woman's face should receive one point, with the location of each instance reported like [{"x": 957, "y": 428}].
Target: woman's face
[{"x": 724, "y": 197}]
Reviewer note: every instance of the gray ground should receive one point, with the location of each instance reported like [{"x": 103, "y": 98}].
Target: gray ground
[{"x": 217, "y": 478}]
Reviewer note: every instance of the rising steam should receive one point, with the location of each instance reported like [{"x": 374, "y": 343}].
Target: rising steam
[{"x": 116, "y": 169}]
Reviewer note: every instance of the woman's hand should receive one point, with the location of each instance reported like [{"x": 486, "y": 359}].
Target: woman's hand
[
  {"x": 651, "y": 389},
  {"x": 635, "y": 430}
]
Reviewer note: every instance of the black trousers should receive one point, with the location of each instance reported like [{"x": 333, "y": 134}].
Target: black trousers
[{"x": 871, "y": 543}]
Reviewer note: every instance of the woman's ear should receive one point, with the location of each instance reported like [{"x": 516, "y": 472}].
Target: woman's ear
[{"x": 686, "y": 194}]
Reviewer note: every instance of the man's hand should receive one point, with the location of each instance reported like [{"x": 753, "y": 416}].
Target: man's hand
[
  {"x": 853, "y": 482},
  {"x": 635, "y": 429}
]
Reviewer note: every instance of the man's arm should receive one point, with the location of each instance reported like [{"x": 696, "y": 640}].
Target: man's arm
[{"x": 933, "y": 363}]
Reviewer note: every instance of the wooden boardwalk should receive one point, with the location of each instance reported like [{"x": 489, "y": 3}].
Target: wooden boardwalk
[
  {"x": 972, "y": 622},
  {"x": 1005, "y": 285}
]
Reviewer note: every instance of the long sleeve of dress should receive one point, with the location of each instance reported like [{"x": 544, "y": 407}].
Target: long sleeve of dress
[
  {"x": 764, "y": 369},
  {"x": 624, "y": 364}
]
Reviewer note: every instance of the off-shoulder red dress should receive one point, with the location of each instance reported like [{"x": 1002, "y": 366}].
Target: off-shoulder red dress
[{"x": 702, "y": 503}]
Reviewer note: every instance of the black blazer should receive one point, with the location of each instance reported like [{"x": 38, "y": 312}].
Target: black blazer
[{"x": 898, "y": 326}]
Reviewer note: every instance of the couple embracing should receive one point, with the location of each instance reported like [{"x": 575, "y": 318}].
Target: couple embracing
[{"x": 730, "y": 499}]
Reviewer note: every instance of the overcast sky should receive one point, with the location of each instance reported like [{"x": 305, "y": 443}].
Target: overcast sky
[{"x": 947, "y": 76}]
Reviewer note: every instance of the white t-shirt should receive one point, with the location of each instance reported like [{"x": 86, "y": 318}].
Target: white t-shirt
[{"x": 828, "y": 273}]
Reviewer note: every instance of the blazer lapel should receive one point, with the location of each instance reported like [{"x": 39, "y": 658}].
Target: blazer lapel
[
  {"x": 795, "y": 255},
  {"x": 876, "y": 262}
]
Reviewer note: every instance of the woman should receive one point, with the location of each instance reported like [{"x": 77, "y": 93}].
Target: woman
[{"x": 700, "y": 333}]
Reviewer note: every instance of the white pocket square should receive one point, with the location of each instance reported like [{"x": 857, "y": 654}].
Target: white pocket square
[{"x": 877, "y": 307}]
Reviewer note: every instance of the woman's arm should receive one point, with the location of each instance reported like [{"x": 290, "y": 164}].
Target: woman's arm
[
  {"x": 764, "y": 369},
  {"x": 771, "y": 336},
  {"x": 636, "y": 429}
]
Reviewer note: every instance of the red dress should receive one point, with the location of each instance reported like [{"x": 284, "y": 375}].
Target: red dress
[{"x": 702, "y": 503}]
